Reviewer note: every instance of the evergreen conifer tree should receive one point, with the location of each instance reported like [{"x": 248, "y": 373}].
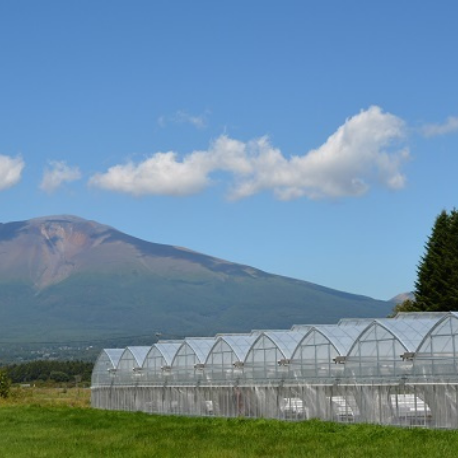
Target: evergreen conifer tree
[
  {"x": 436, "y": 288},
  {"x": 453, "y": 256}
]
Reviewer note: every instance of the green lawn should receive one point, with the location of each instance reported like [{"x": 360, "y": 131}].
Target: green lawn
[{"x": 49, "y": 429}]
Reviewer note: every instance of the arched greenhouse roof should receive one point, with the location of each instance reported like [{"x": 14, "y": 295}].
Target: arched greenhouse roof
[
  {"x": 113, "y": 354},
  {"x": 420, "y": 315},
  {"x": 340, "y": 337},
  {"x": 166, "y": 348},
  {"x": 408, "y": 332},
  {"x": 302, "y": 327},
  {"x": 344, "y": 322},
  {"x": 139, "y": 354},
  {"x": 240, "y": 344},
  {"x": 201, "y": 346},
  {"x": 106, "y": 365},
  {"x": 447, "y": 316},
  {"x": 285, "y": 341}
]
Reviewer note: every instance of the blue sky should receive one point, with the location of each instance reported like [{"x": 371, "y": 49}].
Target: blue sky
[{"x": 312, "y": 139}]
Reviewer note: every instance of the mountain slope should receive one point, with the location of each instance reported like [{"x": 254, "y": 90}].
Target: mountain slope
[
  {"x": 64, "y": 277},
  {"x": 399, "y": 298}
]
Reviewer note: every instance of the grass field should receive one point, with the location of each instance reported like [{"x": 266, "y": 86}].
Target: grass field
[{"x": 59, "y": 423}]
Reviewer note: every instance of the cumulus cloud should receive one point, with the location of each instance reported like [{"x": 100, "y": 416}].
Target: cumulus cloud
[
  {"x": 183, "y": 117},
  {"x": 166, "y": 174},
  {"x": 433, "y": 130},
  {"x": 57, "y": 174},
  {"x": 363, "y": 151},
  {"x": 358, "y": 154},
  {"x": 10, "y": 171}
]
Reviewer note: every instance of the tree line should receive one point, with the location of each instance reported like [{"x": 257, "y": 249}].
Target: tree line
[{"x": 49, "y": 371}]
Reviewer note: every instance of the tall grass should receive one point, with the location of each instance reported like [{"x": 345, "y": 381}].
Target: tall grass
[
  {"x": 51, "y": 427},
  {"x": 48, "y": 396}
]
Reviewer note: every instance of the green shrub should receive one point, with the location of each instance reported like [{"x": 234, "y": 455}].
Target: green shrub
[
  {"x": 59, "y": 376},
  {"x": 5, "y": 384}
]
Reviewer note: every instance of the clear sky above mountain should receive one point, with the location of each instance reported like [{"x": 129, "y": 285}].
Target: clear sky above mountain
[{"x": 317, "y": 140}]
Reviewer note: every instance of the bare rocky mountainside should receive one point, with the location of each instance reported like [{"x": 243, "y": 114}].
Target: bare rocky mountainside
[
  {"x": 46, "y": 251},
  {"x": 64, "y": 277}
]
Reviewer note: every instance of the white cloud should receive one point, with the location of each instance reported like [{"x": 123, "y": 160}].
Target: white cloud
[
  {"x": 433, "y": 130},
  {"x": 58, "y": 173},
  {"x": 165, "y": 174},
  {"x": 159, "y": 174},
  {"x": 10, "y": 171},
  {"x": 359, "y": 154},
  {"x": 183, "y": 117}
]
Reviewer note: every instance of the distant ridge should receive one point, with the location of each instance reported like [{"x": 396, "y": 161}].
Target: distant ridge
[
  {"x": 64, "y": 277},
  {"x": 403, "y": 297}
]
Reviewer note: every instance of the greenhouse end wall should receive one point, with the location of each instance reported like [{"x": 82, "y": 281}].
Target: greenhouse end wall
[{"x": 393, "y": 373}]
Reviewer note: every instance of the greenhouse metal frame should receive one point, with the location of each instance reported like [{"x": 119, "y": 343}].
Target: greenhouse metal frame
[{"x": 394, "y": 371}]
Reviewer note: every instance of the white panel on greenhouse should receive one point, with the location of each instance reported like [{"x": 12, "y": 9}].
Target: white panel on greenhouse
[
  {"x": 105, "y": 366},
  {"x": 437, "y": 353},
  {"x": 344, "y": 322},
  {"x": 129, "y": 370},
  {"x": 419, "y": 315},
  {"x": 158, "y": 361},
  {"x": 301, "y": 327},
  {"x": 316, "y": 354},
  {"x": 226, "y": 358},
  {"x": 385, "y": 347},
  {"x": 189, "y": 361},
  {"x": 270, "y": 354}
]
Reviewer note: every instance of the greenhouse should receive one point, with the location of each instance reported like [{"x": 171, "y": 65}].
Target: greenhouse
[
  {"x": 104, "y": 373},
  {"x": 397, "y": 371}
]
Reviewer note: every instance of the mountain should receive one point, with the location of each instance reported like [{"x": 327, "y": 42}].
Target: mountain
[
  {"x": 399, "y": 298},
  {"x": 64, "y": 278}
]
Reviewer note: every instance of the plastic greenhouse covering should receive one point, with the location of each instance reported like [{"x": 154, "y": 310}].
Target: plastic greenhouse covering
[
  {"x": 130, "y": 365},
  {"x": 158, "y": 360},
  {"x": 226, "y": 358},
  {"x": 105, "y": 366},
  {"x": 315, "y": 355},
  {"x": 398, "y": 371}
]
